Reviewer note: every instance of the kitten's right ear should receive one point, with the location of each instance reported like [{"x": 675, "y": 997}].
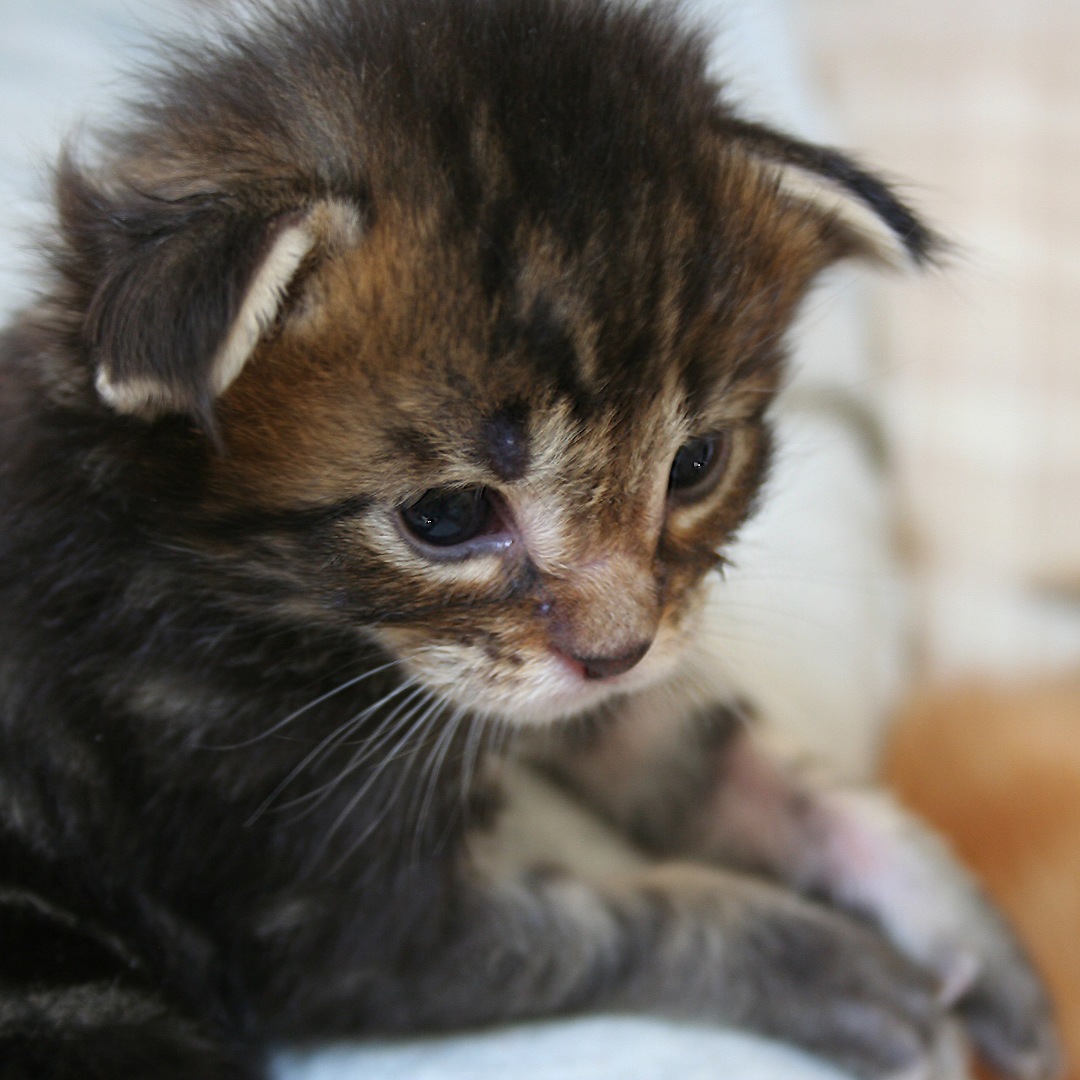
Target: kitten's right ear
[
  {"x": 868, "y": 218},
  {"x": 175, "y": 293}
]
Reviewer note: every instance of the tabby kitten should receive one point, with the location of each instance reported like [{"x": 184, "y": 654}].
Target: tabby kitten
[{"x": 401, "y": 374}]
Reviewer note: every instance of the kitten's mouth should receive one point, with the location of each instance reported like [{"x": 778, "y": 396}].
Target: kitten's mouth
[
  {"x": 542, "y": 686},
  {"x": 567, "y": 686}
]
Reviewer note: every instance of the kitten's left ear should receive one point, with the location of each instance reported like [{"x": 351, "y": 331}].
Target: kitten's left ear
[
  {"x": 865, "y": 216},
  {"x": 175, "y": 294}
]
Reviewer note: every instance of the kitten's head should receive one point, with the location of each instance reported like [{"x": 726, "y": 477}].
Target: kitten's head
[{"x": 484, "y": 305}]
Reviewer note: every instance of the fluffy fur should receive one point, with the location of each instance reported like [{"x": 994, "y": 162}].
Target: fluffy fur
[{"x": 345, "y": 259}]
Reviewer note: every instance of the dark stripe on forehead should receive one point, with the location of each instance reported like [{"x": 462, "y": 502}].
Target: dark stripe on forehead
[
  {"x": 498, "y": 262},
  {"x": 416, "y": 444},
  {"x": 541, "y": 341},
  {"x": 451, "y": 134},
  {"x": 551, "y": 349},
  {"x": 699, "y": 376},
  {"x": 504, "y": 441},
  {"x": 630, "y": 358}
]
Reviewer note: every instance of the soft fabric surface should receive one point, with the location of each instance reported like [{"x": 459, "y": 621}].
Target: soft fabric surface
[{"x": 615, "y": 1048}]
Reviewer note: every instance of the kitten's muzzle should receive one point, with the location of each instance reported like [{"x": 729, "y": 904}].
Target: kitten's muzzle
[
  {"x": 607, "y": 667},
  {"x": 603, "y": 614}
]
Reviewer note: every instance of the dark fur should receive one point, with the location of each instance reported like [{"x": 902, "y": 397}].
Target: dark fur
[{"x": 194, "y": 864}]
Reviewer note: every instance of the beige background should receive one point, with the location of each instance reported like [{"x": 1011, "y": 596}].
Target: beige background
[{"x": 975, "y": 106}]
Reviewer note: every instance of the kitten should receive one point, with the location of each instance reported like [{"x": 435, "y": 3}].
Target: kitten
[{"x": 401, "y": 376}]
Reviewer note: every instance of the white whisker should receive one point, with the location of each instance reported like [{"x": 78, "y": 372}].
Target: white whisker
[
  {"x": 474, "y": 747},
  {"x": 358, "y": 796},
  {"x": 397, "y": 721},
  {"x": 338, "y": 734},
  {"x": 399, "y": 717},
  {"x": 312, "y": 704},
  {"x": 429, "y": 776}
]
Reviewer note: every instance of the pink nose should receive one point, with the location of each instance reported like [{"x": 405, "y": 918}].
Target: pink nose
[{"x": 607, "y": 667}]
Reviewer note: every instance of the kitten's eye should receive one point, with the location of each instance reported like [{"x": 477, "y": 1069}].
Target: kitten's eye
[
  {"x": 697, "y": 466},
  {"x": 446, "y": 517}
]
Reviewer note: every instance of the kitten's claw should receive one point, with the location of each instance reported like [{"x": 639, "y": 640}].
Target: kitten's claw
[
  {"x": 1010, "y": 1021},
  {"x": 842, "y": 992},
  {"x": 988, "y": 983}
]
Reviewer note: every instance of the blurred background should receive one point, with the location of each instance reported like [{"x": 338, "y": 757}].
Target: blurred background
[{"x": 974, "y": 106}]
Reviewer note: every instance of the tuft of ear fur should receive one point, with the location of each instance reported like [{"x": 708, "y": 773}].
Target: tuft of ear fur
[
  {"x": 864, "y": 215},
  {"x": 187, "y": 348},
  {"x": 176, "y": 293}
]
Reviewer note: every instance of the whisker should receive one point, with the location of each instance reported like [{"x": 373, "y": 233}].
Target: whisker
[
  {"x": 389, "y": 804},
  {"x": 474, "y": 747},
  {"x": 429, "y": 776},
  {"x": 502, "y": 735},
  {"x": 358, "y": 796},
  {"x": 342, "y": 731},
  {"x": 312, "y": 704},
  {"x": 401, "y": 715}
]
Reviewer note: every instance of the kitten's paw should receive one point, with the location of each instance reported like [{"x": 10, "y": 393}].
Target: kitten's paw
[
  {"x": 987, "y": 982},
  {"x": 896, "y": 870},
  {"x": 841, "y": 991},
  {"x": 1009, "y": 1019}
]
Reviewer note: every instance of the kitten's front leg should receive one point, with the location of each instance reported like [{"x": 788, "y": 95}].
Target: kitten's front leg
[
  {"x": 677, "y": 939},
  {"x": 862, "y": 851},
  {"x": 712, "y": 790}
]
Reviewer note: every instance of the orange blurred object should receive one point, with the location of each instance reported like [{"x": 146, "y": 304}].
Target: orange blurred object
[{"x": 996, "y": 768}]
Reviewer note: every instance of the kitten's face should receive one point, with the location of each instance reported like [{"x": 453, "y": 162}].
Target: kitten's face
[
  {"x": 532, "y": 450},
  {"x": 487, "y": 316}
]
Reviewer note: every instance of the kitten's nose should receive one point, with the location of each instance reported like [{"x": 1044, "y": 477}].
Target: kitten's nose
[{"x": 607, "y": 667}]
